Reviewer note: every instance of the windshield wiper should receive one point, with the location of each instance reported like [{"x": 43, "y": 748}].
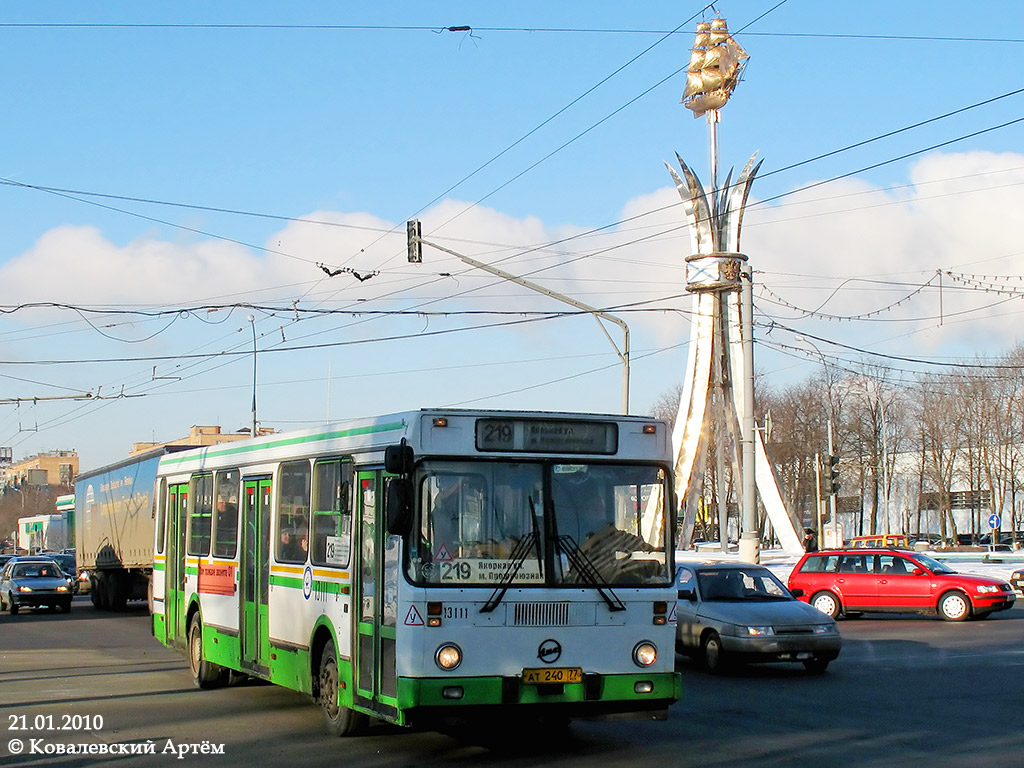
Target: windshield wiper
[
  {"x": 520, "y": 552},
  {"x": 591, "y": 576}
]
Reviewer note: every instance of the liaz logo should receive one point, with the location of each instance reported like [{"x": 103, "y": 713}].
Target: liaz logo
[{"x": 549, "y": 651}]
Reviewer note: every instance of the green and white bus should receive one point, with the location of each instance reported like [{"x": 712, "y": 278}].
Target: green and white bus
[{"x": 428, "y": 564}]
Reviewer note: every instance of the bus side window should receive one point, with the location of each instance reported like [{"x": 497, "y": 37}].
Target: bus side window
[
  {"x": 293, "y": 512},
  {"x": 332, "y": 513},
  {"x": 225, "y": 535},
  {"x": 200, "y": 515}
]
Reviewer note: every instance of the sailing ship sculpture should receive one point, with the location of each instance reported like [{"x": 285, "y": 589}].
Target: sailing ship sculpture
[{"x": 716, "y": 63}]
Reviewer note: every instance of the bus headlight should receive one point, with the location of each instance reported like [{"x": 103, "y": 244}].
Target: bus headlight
[
  {"x": 645, "y": 654},
  {"x": 448, "y": 656}
]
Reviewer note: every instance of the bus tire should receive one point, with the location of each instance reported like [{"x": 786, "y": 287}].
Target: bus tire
[
  {"x": 340, "y": 720},
  {"x": 205, "y": 673}
]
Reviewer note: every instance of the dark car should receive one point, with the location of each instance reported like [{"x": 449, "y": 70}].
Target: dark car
[
  {"x": 34, "y": 582},
  {"x": 887, "y": 580},
  {"x": 729, "y": 611},
  {"x": 68, "y": 565}
]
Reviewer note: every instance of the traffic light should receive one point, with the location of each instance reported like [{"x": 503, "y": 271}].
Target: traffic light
[
  {"x": 414, "y": 246},
  {"x": 833, "y": 464}
]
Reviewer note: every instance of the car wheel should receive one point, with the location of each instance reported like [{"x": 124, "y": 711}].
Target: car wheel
[
  {"x": 65, "y": 607},
  {"x": 339, "y": 719},
  {"x": 954, "y": 606},
  {"x": 205, "y": 674},
  {"x": 14, "y": 609},
  {"x": 712, "y": 654},
  {"x": 816, "y": 666},
  {"x": 827, "y": 603}
]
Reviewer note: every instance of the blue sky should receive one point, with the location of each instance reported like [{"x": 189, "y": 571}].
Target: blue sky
[{"x": 215, "y": 154}]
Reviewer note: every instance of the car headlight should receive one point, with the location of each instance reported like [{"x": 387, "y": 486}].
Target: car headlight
[
  {"x": 24, "y": 589},
  {"x": 62, "y": 589},
  {"x": 824, "y": 629},
  {"x": 448, "y": 656},
  {"x": 645, "y": 654},
  {"x": 760, "y": 631},
  {"x": 988, "y": 588}
]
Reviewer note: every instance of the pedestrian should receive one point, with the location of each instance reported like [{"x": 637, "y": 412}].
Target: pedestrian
[{"x": 810, "y": 540}]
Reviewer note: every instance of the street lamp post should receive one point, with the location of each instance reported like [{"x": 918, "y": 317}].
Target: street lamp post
[
  {"x": 252, "y": 323},
  {"x": 831, "y": 450}
]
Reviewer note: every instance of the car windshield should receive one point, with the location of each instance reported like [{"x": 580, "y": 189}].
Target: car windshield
[
  {"x": 539, "y": 523},
  {"x": 30, "y": 570},
  {"x": 752, "y": 583},
  {"x": 932, "y": 564}
]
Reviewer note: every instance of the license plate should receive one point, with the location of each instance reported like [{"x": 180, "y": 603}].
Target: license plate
[{"x": 538, "y": 675}]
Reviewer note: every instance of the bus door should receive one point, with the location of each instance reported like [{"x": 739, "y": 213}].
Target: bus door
[
  {"x": 255, "y": 573},
  {"x": 174, "y": 574},
  {"x": 376, "y": 595}
]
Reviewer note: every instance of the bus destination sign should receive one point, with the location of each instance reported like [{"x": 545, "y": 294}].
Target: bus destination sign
[{"x": 546, "y": 436}]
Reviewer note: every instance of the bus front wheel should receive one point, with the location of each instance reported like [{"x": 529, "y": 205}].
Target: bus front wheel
[
  {"x": 205, "y": 673},
  {"x": 340, "y": 720}
]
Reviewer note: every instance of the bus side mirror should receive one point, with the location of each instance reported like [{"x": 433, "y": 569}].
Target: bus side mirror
[
  {"x": 399, "y": 506},
  {"x": 398, "y": 459}
]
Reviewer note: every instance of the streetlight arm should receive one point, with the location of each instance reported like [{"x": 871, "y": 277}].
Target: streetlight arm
[{"x": 598, "y": 314}]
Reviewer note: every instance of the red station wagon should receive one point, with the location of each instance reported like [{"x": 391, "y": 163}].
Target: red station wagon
[{"x": 849, "y": 581}]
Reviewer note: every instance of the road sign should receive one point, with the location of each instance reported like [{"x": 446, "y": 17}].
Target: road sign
[{"x": 994, "y": 521}]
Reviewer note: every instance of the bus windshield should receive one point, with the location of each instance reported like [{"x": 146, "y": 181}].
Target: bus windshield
[{"x": 500, "y": 523}]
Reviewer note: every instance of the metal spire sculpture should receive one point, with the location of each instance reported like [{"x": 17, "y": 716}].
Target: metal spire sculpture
[{"x": 718, "y": 387}]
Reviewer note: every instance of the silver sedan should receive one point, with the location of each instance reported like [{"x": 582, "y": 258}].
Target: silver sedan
[{"x": 739, "y": 612}]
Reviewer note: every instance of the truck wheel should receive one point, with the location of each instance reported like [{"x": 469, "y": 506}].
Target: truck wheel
[
  {"x": 205, "y": 673},
  {"x": 118, "y": 588},
  {"x": 340, "y": 720}
]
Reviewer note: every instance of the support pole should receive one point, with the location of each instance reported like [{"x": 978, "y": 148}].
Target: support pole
[{"x": 750, "y": 539}]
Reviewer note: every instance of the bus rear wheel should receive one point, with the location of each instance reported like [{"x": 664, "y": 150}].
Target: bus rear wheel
[
  {"x": 205, "y": 673},
  {"x": 340, "y": 720}
]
